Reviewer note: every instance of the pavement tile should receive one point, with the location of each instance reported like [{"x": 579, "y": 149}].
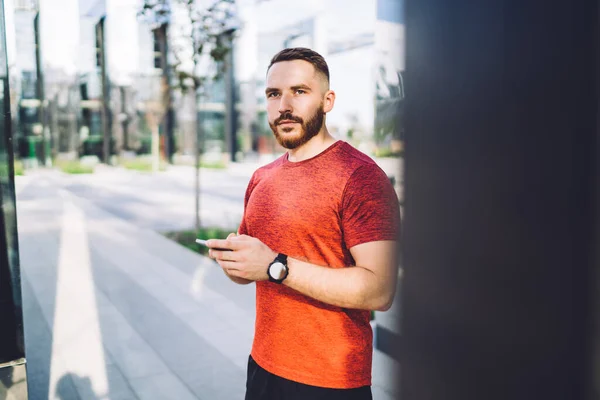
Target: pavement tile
[
  {"x": 217, "y": 381},
  {"x": 385, "y": 372},
  {"x": 380, "y": 394},
  {"x": 174, "y": 341},
  {"x": 65, "y": 390},
  {"x": 161, "y": 387},
  {"x": 117, "y": 386},
  {"x": 38, "y": 344},
  {"x": 133, "y": 355}
]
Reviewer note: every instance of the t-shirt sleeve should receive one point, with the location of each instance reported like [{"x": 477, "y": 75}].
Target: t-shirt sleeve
[
  {"x": 370, "y": 208},
  {"x": 243, "y": 229}
]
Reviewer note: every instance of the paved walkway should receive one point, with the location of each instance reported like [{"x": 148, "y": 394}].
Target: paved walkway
[{"x": 113, "y": 311}]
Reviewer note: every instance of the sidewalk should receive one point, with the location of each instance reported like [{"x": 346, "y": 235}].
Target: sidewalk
[{"x": 113, "y": 311}]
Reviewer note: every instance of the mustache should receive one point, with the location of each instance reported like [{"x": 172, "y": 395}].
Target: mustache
[{"x": 288, "y": 117}]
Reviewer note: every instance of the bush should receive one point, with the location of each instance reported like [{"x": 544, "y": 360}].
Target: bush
[
  {"x": 213, "y": 164},
  {"x": 387, "y": 152},
  {"x": 188, "y": 238},
  {"x": 141, "y": 164},
  {"x": 74, "y": 167},
  {"x": 18, "y": 166}
]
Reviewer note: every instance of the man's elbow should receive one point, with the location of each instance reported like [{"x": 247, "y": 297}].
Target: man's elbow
[
  {"x": 383, "y": 302},
  {"x": 376, "y": 296},
  {"x": 384, "y": 306}
]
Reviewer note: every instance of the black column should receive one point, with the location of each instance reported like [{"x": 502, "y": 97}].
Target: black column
[
  {"x": 230, "y": 101},
  {"x": 13, "y": 375},
  {"x": 105, "y": 84},
  {"x": 41, "y": 93},
  {"x": 501, "y": 182}
]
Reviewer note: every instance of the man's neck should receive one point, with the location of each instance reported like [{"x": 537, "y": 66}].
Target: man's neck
[{"x": 313, "y": 147}]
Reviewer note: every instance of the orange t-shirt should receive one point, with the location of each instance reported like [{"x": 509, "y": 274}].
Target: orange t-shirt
[{"x": 316, "y": 210}]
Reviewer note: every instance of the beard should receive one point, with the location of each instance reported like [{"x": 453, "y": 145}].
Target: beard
[{"x": 308, "y": 129}]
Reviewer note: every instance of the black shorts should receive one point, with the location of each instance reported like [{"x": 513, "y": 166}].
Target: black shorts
[{"x": 263, "y": 385}]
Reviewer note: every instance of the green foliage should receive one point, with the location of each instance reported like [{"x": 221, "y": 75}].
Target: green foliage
[
  {"x": 5, "y": 170},
  {"x": 155, "y": 12},
  {"x": 18, "y": 166},
  {"x": 74, "y": 167},
  {"x": 141, "y": 164},
  {"x": 188, "y": 238},
  {"x": 213, "y": 164},
  {"x": 387, "y": 152},
  {"x": 210, "y": 34}
]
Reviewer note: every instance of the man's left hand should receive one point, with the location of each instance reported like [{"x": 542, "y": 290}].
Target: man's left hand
[{"x": 249, "y": 258}]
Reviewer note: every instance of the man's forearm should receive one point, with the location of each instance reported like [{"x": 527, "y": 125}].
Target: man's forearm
[{"x": 350, "y": 287}]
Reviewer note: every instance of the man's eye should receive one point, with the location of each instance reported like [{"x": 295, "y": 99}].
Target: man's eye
[
  {"x": 272, "y": 94},
  {"x": 300, "y": 91}
]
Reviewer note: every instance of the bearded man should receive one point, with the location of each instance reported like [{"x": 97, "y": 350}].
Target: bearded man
[{"x": 318, "y": 236}]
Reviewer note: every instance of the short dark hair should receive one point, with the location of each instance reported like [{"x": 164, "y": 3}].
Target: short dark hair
[{"x": 302, "y": 53}]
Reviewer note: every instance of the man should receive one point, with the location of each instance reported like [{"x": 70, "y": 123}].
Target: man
[{"x": 318, "y": 237}]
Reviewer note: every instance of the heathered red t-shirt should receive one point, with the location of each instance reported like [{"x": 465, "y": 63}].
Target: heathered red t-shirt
[{"x": 316, "y": 210}]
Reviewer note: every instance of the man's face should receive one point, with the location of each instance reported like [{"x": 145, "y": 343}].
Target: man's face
[{"x": 297, "y": 100}]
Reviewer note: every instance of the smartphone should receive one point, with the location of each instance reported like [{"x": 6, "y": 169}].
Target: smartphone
[{"x": 203, "y": 243}]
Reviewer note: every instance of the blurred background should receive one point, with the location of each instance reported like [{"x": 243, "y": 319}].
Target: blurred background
[
  {"x": 86, "y": 74},
  {"x": 135, "y": 127},
  {"x": 132, "y": 127}
]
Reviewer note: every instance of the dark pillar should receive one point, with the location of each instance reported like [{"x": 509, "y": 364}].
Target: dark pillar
[
  {"x": 125, "y": 117},
  {"x": 230, "y": 110},
  {"x": 12, "y": 350},
  {"x": 106, "y": 112},
  {"x": 40, "y": 93},
  {"x": 500, "y": 231}
]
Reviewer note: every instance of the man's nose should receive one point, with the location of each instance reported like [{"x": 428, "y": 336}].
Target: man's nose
[{"x": 285, "y": 105}]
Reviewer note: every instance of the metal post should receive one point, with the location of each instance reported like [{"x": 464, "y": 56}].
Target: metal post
[
  {"x": 197, "y": 153},
  {"x": 230, "y": 111},
  {"x": 124, "y": 118},
  {"x": 106, "y": 117},
  {"x": 40, "y": 88}
]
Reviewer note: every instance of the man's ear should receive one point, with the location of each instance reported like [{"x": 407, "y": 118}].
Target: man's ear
[{"x": 328, "y": 101}]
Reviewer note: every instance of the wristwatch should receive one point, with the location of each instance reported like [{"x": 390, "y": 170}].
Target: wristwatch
[{"x": 278, "y": 269}]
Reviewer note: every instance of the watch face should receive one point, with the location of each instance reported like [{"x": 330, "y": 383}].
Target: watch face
[{"x": 277, "y": 270}]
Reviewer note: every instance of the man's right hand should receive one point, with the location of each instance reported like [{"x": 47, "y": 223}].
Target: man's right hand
[{"x": 238, "y": 280}]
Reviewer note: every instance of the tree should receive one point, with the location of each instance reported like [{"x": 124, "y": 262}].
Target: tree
[
  {"x": 155, "y": 110},
  {"x": 201, "y": 38}
]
